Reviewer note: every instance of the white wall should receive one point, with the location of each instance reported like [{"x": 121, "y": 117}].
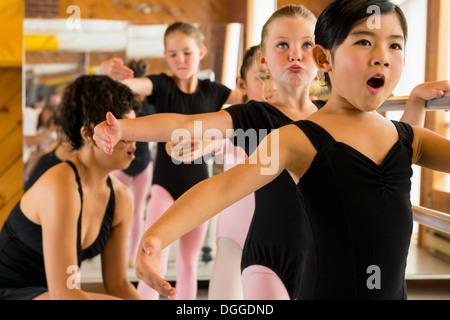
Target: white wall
[{"x": 258, "y": 13}]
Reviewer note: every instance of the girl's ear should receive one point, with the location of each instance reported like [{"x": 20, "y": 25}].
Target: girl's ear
[
  {"x": 261, "y": 60},
  {"x": 86, "y": 135},
  {"x": 322, "y": 58},
  {"x": 203, "y": 51},
  {"x": 241, "y": 85}
]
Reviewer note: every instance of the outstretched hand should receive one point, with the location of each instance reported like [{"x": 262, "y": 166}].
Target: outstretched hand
[
  {"x": 147, "y": 266},
  {"x": 108, "y": 133},
  {"x": 115, "y": 69}
]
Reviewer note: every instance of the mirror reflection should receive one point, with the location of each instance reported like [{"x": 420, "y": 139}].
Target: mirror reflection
[{"x": 56, "y": 54}]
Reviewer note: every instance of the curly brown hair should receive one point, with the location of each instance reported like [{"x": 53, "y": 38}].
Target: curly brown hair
[{"x": 87, "y": 100}]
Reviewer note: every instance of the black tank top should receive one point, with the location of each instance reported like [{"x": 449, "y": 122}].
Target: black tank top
[
  {"x": 21, "y": 253},
  {"x": 360, "y": 215}
]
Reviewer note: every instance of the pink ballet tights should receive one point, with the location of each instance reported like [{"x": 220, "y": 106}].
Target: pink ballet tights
[
  {"x": 139, "y": 185},
  {"x": 189, "y": 249},
  {"x": 261, "y": 283}
]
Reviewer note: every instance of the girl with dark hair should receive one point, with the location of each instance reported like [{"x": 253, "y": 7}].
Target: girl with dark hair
[
  {"x": 75, "y": 210},
  {"x": 352, "y": 167}
]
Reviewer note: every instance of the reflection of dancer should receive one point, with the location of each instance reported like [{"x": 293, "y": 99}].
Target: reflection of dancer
[
  {"x": 182, "y": 93},
  {"x": 74, "y": 211},
  {"x": 39, "y": 133},
  {"x": 352, "y": 166}
]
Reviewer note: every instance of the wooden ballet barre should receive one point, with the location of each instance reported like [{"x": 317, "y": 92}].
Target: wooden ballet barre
[
  {"x": 432, "y": 218},
  {"x": 398, "y": 103}
]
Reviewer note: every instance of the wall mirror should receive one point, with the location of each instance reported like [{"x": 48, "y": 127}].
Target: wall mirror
[{"x": 59, "y": 50}]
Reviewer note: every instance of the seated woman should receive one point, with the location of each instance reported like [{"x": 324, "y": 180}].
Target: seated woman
[{"x": 75, "y": 210}]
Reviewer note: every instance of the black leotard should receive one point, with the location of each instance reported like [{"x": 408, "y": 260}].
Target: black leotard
[
  {"x": 167, "y": 97},
  {"x": 21, "y": 253},
  {"x": 277, "y": 237},
  {"x": 361, "y": 217}
]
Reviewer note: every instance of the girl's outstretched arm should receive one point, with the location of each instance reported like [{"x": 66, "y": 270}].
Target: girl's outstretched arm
[
  {"x": 286, "y": 148},
  {"x": 161, "y": 127},
  {"x": 198, "y": 205},
  {"x": 414, "y": 112}
]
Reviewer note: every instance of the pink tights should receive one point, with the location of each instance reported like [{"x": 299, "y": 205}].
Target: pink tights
[
  {"x": 140, "y": 185},
  {"x": 188, "y": 251},
  {"x": 261, "y": 283}
]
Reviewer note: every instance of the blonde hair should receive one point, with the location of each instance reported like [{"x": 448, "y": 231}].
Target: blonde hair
[
  {"x": 289, "y": 11},
  {"x": 186, "y": 28}
]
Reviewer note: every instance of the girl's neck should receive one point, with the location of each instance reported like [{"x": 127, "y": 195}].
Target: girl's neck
[
  {"x": 187, "y": 85},
  {"x": 295, "y": 103},
  {"x": 92, "y": 175},
  {"x": 339, "y": 105}
]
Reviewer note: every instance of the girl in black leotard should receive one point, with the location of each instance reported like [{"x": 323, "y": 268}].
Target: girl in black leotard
[
  {"x": 74, "y": 211},
  {"x": 352, "y": 166}
]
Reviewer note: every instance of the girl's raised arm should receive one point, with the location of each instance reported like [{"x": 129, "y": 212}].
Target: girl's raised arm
[
  {"x": 414, "y": 113},
  {"x": 115, "y": 69},
  {"x": 431, "y": 150}
]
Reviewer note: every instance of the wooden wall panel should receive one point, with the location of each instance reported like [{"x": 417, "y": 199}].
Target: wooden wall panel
[
  {"x": 11, "y": 185},
  {"x": 10, "y": 139},
  {"x": 315, "y": 6},
  {"x": 41, "y": 8},
  {"x": 195, "y": 11}
]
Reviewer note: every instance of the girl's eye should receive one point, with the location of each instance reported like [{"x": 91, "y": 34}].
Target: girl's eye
[
  {"x": 282, "y": 45},
  {"x": 396, "y": 46},
  {"x": 187, "y": 53},
  {"x": 363, "y": 43},
  {"x": 308, "y": 45}
]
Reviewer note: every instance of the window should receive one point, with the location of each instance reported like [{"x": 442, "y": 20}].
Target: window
[{"x": 414, "y": 71}]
